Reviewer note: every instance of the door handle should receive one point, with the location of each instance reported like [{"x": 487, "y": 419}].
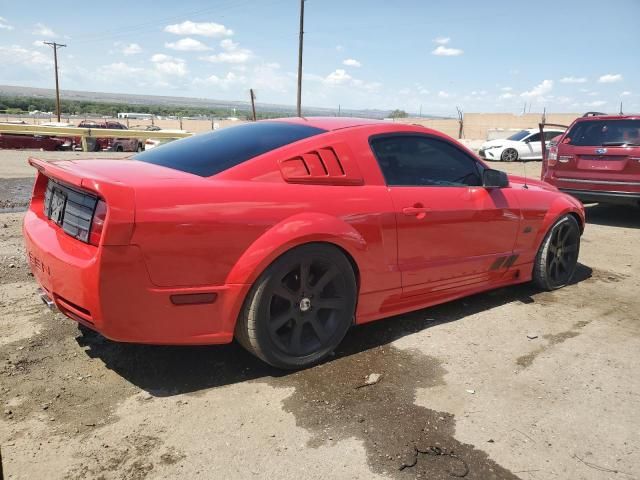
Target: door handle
[{"x": 417, "y": 210}]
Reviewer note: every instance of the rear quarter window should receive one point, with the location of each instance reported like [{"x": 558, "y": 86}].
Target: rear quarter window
[{"x": 210, "y": 153}]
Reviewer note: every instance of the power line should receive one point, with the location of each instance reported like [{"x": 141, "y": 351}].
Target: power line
[{"x": 56, "y": 46}]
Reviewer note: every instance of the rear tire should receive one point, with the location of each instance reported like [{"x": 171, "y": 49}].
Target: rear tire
[
  {"x": 557, "y": 257},
  {"x": 300, "y": 308},
  {"x": 509, "y": 155}
]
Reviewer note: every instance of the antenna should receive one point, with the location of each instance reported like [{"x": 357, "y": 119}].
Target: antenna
[
  {"x": 621, "y": 108},
  {"x": 524, "y": 168}
]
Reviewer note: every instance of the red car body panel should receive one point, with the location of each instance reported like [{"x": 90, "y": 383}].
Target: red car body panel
[
  {"x": 169, "y": 233},
  {"x": 596, "y": 173}
]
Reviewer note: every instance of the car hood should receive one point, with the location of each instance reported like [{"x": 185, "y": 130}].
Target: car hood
[{"x": 520, "y": 181}]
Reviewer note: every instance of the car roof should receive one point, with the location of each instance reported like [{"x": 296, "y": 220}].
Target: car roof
[
  {"x": 330, "y": 123},
  {"x": 608, "y": 117}
]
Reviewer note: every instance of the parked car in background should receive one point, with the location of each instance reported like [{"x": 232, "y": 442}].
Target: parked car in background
[
  {"x": 12, "y": 141},
  {"x": 524, "y": 145},
  {"x": 285, "y": 233},
  {"x": 99, "y": 144},
  {"x": 156, "y": 142},
  {"x": 597, "y": 159}
]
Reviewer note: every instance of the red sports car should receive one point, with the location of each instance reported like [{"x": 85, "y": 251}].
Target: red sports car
[{"x": 284, "y": 233}]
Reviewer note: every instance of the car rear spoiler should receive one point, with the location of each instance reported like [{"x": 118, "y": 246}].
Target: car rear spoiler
[
  {"x": 120, "y": 198},
  {"x": 543, "y": 143}
]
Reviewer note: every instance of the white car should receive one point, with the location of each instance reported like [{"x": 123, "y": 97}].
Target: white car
[
  {"x": 156, "y": 142},
  {"x": 524, "y": 145}
]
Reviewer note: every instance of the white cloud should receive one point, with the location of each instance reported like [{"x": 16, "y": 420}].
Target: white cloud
[
  {"x": 119, "y": 69},
  {"x": 596, "y": 103},
  {"x": 169, "y": 65},
  {"x": 266, "y": 77},
  {"x": 44, "y": 31},
  {"x": 339, "y": 48},
  {"x": 351, "y": 62},
  {"x": 205, "y": 29},
  {"x": 539, "y": 90},
  {"x": 225, "y": 82},
  {"x": 131, "y": 49},
  {"x": 232, "y": 53},
  {"x": 610, "y": 78},
  {"x": 443, "y": 94},
  {"x": 4, "y": 25},
  {"x": 39, "y": 43},
  {"x": 443, "y": 51},
  {"x": 187, "y": 44},
  {"x": 625, "y": 93},
  {"x": 338, "y": 77},
  {"x": 573, "y": 80},
  {"x": 507, "y": 96},
  {"x": 506, "y": 89},
  {"x": 404, "y": 91},
  {"x": 442, "y": 40},
  {"x": 17, "y": 54}
]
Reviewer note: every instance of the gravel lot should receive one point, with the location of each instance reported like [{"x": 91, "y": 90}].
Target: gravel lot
[{"x": 509, "y": 384}]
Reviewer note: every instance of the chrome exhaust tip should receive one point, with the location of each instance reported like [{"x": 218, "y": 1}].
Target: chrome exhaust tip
[{"x": 46, "y": 299}]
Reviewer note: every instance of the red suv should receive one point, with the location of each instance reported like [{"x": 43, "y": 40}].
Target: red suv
[
  {"x": 109, "y": 144},
  {"x": 597, "y": 159}
]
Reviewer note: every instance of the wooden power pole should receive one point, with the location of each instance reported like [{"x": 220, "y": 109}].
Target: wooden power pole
[
  {"x": 299, "y": 103},
  {"x": 253, "y": 103},
  {"x": 56, "y": 46}
]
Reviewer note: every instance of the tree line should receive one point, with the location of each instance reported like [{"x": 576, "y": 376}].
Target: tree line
[{"x": 14, "y": 105}]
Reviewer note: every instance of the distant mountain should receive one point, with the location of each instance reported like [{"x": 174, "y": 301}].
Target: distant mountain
[{"x": 131, "y": 99}]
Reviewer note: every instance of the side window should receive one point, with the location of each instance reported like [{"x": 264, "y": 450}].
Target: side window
[
  {"x": 551, "y": 135},
  {"x": 413, "y": 160},
  {"x": 534, "y": 138}
]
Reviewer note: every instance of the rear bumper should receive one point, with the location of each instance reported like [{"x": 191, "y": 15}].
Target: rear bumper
[
  {"x": 109, "y": 290},
  {"x": 620, "y": 198}
]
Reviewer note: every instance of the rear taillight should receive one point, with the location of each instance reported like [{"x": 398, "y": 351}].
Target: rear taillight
[
  {"x": 552, "y": 156},
  {"x": 97, "y": 224}
]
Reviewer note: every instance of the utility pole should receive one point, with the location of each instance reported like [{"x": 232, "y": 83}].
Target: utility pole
[
  {"x": 56, "y": 46},
  {"x": 299, "y": 103},
  {"x": 253, "y": 104}
]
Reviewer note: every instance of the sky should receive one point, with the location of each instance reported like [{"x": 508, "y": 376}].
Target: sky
[{"x": 429, "y": 55}]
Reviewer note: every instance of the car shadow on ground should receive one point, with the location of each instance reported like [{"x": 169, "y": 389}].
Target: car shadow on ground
[
  {"x": 613, "y": 215},
  {"x": 168, "y": 370}
]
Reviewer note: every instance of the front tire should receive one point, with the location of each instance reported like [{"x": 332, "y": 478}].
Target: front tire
[
  {"x": 557, "y": 257},
  {"x": 509, "y": 155},
  {"x": 300, "y": 308}
]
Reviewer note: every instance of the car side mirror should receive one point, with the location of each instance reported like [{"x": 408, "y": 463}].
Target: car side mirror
[{"x": 494, "y": 179}]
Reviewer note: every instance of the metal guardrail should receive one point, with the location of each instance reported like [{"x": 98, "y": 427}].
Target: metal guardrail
[{"x": 84, "y": 133}]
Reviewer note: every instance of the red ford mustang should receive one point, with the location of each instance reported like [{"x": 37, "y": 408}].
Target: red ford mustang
[{"x": 285, "y": 233}]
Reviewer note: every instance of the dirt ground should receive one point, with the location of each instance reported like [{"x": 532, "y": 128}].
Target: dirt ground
[{"x": 510, "y": 384}]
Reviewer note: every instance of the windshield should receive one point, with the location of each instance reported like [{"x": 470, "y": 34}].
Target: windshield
[
  {"x": 211, "y": 153},
  {"x": 519, "y": 136},
  {"x": 598, "y": 133}
]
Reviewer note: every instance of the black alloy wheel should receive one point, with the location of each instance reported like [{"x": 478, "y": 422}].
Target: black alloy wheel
[
  {"x": 557, "y": 258},
  {"x": 300, "y": 308}
]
